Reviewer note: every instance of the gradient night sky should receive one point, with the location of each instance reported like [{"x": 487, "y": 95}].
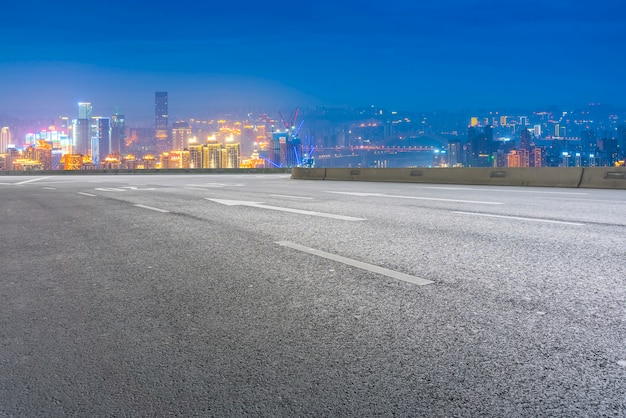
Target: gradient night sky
[{"x": 404, "y": 55}]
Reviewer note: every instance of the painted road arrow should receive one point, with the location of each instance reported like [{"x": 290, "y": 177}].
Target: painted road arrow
[{"x": 260, "y": 205}]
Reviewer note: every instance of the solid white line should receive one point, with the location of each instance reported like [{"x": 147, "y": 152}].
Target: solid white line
[
  {"x": 152, "y": 208},
  {"x": 87, "y": 194},
  {"x": 488, "y": 189},
  {"x": 521, "y": 218},
  {"x": 30, "y": 181},
  {"x": 417, "y": 198},
  {"x": 292, "y": 197},
  {"x": 358, "y": 264}
]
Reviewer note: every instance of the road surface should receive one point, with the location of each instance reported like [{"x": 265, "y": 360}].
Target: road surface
[{"x": 258, "y": 295}]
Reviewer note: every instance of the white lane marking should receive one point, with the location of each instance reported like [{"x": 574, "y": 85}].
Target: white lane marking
[
  {"x": 358, "y": 264},
  {"x": 50, "y": 188},
  {"x": 299, "y": 211},
  {"x": 214, "y": 185},
  {"x": 196, "y": 188},
  {"x": 7, "y": 184},
  {"x": 87, "y": 194},
  {"x": 502, "y": 190},
  {"x": 590, "y": 200},
  {"x": 292, "y": 197},
  {"x": 30, "y": 181},
  {"x": 137, "y": 188},
  {"x": 520, "y": 218},
  {"x": 109, "y": 189},
  {"x": 152, "y": 208},
  {"x": 417, "y": 198}
]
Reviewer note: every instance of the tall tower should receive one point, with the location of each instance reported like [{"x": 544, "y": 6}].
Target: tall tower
[
  {"x": 81, "y": 129},
  {"x": 161, "y": 133},
  {"x": 84, "y": 110},
  {"x": 103, "y": 139},
  {"x": 118, "y": 134},
  {"x": 5, "y": 139}
]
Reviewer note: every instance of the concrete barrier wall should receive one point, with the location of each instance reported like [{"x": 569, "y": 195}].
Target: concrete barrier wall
[
  {"x": 593, "y": 177},
  {"x": 302, "y": 173},
  {"x": 604, "y": 178}
]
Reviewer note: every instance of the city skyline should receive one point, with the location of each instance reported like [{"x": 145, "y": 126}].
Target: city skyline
[
  {"x": 446, "y": 56},
  {"x": 365, "y": 137}
]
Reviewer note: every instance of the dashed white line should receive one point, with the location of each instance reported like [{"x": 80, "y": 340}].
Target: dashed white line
[
  {"x": 520, "y": 218},
  {"x": 30, "y": 181},
  {"x": 153, "y": 208},
  {"x": 292, "y": 197},
  {"x": 49, "y": 188},
  {"x": 203, "y": 189},
  {"x": 290, "y": 210},
  {"x": 358, "y": 264},
  {"x": 87, "y": 194}
]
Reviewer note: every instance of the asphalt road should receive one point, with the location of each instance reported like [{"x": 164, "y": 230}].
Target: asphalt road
[{"x": 258, "y": 295}]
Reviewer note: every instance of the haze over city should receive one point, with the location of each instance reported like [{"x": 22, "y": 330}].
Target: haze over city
[{"x": 402, "y": 55}]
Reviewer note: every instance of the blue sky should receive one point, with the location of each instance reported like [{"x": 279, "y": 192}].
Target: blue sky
[{"x": 406, "y": 55}]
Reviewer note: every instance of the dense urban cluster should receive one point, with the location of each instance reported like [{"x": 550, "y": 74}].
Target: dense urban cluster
[{"x": 594, "y": 135}]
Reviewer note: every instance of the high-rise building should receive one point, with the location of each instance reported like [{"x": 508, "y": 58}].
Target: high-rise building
[
  {"x": 5, "y": 139},
  {"x": 480, "y": 146},
  {"x": 84, "y": 110},
  {"x": 81, "y": 132},
  {"x": 175, "y": 159},
  {"x": 212, "y": 155},
  {"x": 621, "y": 140},
  {"x": 102, "y": 143},
  {"x": 181, "y": 132},
  {"x": 513, "y": 159},
  {"x": 525, "y": 139},
  {"x": 118, "y": 134},
  {"x": 161, "y": 132},
  {"x": 231, "y": 156},
  {"x": 104, "y": 138},
  {"x": 537, "y": 157},
  {"x": 195, "y": 156}
]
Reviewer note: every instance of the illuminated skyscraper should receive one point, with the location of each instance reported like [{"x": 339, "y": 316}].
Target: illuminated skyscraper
[
  {"x": 231, "y": 156},
  {"x": 181, "y": 132},
  {"x": 118, "y": 134},
  {"x": 81, "y": 129},
  {"x": 161, "y": 133},
  {"x": 104, "y": 138},
  {"x": 195, "y": 156},
  {"x": 5, "y": 139},
  {"x": 102, "y": 146},
  {"x": 212, "y": 155},
  {"x": 81, "y": 136},
  {"x": 84, "y": 110}
]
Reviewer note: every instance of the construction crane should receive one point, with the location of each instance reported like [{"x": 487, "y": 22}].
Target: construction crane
[{"x": 293, "y": 141}]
